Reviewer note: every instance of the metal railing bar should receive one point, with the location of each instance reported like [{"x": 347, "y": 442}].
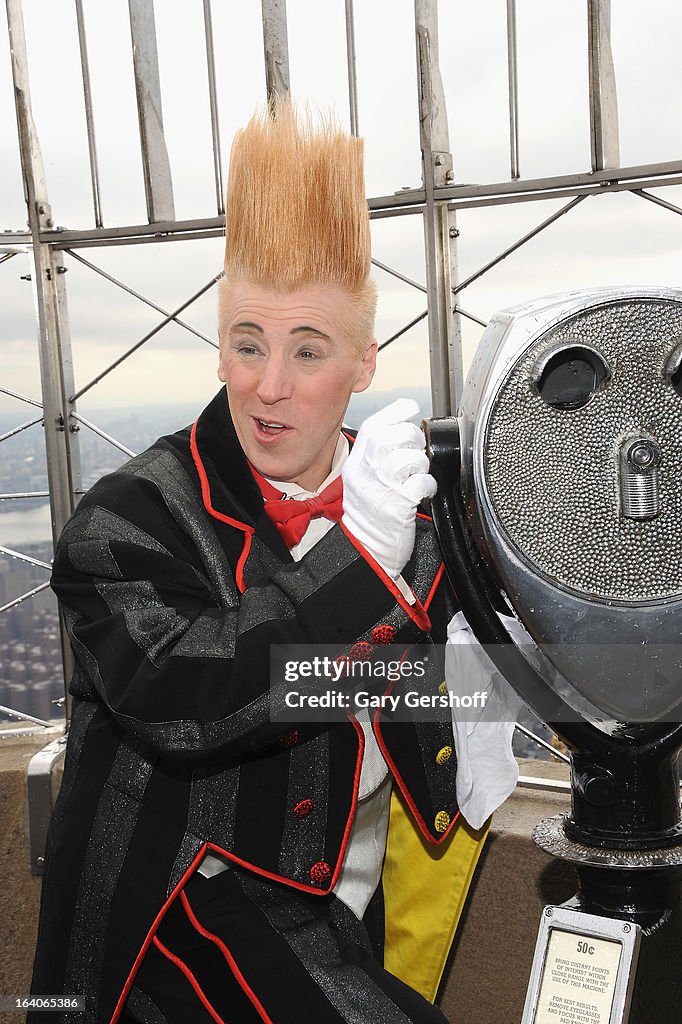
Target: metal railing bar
[
  {"x": 158, "y": 185},
  {"x": 470, "y": 316},
  {"x": 444, "y": 330},
  {"x": 159, "y": 228},
  {"x": 517, "y": 245},
  {"x": 7, "y": 256},
  {"x": 405, "y": 197},
  {"x": 98, "y": 239},
  {"x": 451, "y": 196},
  {"x": 101, "y": 433},
  {"x": 536, "y": 197},
  {"x": 25, "y": 558},
  {"x": 542, "y": 743},
  {"x": 24, "y": 494},
  {"x": 544, "y": 785},
  {"x": 213, "y": 102},
  {"x": 22, "y": 398},
  {"x": 146, "y": 338},
  {"x": 95, "y": 242},
  {"x": 513, "y": 91},
  {"x": 402, "y": 203},
  {"x": 401, "y": 277},
  {"x": 89, "y": 122},
  {"x": 25, "y": 718},
  {"x": 614, "y": 179},
  {"x": 402, "y": 211},
  {"x": 657, "y": 200},
  {"x": 142, "y": 298},
  {"x": 351, "y": 65},
  {"x": 669, "y": 168},
  {"x": 24, "y": 597},
  {"x": 22, "y": 426},
  {"x": 403, "y": 330},
  {"x": 593, "y": 190},
  {"x": 8, "y": 734},
  {"x": 275, "y": 47},
  {"x": 604, "y": 133},
  {"x": 209, "y": 227}
]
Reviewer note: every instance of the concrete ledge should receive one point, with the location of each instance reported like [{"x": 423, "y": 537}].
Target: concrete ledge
[{"x": 490, "y": 966}]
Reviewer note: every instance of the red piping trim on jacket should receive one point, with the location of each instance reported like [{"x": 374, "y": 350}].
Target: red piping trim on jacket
[
  {"x": 232, "y": 963},
  {"x": 354, "y": 800},
  {"x": 268, "y": 874},
  {"x": 247, "y": 530},
  {"x": 182, "y": 966},
  {"x": 434, "y": 586},
  {"x": 239, "y": 573},
  {"x": 403, "y": 787},
  {"x": 301, "y": 886},
  {"x": 250, "y": 867},
  {"x": 416, "y": 611},
  {"x": 151, "y": 935}
]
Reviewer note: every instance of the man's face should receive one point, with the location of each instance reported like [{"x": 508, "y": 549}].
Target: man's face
[{"x": 290, "y": 370}]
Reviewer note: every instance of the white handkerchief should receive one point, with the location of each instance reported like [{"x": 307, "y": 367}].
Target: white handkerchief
[{"x": 486, "y": 769}]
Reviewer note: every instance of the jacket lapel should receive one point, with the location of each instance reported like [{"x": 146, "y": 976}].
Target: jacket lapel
[{"x": 230, "y": 491}]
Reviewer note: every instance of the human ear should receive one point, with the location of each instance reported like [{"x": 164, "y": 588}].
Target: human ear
[
  {"x": 222, "y": 371},
  {"x": 367, "y": 367}
]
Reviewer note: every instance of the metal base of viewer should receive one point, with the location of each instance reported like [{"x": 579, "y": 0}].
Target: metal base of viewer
[{"x": 630, "y": 898}]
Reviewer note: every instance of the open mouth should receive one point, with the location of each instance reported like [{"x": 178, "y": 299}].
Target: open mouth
[{"x": 269, "y": 429}]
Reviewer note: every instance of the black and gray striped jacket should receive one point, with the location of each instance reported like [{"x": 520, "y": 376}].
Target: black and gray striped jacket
[{"x": 174, "y": 584}]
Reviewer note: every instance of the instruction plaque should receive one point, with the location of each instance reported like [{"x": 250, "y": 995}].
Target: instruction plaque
[{"x": 583, "y": 969}]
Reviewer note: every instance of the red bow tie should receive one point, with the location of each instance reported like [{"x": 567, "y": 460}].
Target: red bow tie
[{"x": 292, "y": 516}]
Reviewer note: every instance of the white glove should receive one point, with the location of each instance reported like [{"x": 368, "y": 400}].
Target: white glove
[
  {"x": 486, "y": 769},
  {"x": 385, "y": 477}
]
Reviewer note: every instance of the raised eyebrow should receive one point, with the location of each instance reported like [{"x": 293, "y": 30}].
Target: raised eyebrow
[
  {"x": 246, "y": 325},
  {"x": 310, "y": 332}
]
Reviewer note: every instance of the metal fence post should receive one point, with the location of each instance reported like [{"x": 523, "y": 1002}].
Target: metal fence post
[
  {"x": 440, "y": 229},
  {"x": 275, "y": 47},
  {"x": 157, "y": 174},
  {"x": 63, "y": 466},
  {"x": 604, "y": 137},
  {"x": 351, "y": 66},
  {"x": 513, "y": 76}
]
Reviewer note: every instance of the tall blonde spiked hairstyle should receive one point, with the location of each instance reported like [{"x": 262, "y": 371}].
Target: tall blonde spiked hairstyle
[{"x": 296, "y": 211}]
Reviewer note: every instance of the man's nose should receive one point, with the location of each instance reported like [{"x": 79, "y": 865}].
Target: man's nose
[{"x": 275, "y": 381}]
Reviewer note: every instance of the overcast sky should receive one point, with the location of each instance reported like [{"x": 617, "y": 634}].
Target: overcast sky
[{"x": 611, "y": 239}]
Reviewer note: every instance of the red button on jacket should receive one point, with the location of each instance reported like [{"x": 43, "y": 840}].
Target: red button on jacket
[
  {"x": 290, "y": 739},
  {"x": 303, "y": 808},
  {"x": 383, "y": 634},
  {"x": 320, "y": 872},
  {"x": 361, "y": 651}
]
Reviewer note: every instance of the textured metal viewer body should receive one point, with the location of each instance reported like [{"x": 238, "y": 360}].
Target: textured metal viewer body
[
  {"x": 570, "y": 398},
  {"x": 599, "y": 591}
]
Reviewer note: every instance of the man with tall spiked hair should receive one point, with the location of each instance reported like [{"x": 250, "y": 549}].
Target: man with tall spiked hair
[{"x": 206, "y": 862}]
